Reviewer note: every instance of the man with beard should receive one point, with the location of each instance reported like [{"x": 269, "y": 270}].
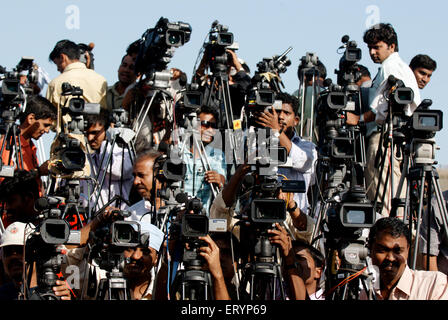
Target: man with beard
[{"x": 389, "y": 243}]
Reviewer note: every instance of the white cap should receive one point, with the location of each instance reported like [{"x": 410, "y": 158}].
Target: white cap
[
  {"x": 14, "y": 235},
  {"x": 155, "y": 234}
]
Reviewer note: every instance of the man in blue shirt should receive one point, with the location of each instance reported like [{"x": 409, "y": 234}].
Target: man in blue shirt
[{"x": 202, "y": 173}]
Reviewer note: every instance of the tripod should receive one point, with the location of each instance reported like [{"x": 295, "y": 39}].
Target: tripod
[
  {"x": 220, "y": 78},
  {"x": 11, "y": 141},
  {"x": 192, "y": 134},
  {"x": 160, "y": 82},
  {"x": 422, "y": 188},
  {"x": 122, "y": 137},
  {"x": 262, "y": 272},
  {"x": 115, "y": 287},
  {"x": 192, "y": 283}
]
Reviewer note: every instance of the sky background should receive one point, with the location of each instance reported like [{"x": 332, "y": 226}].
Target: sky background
[{"x": 262, "y": 28}]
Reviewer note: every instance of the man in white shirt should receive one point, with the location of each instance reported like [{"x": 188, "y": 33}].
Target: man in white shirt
[{"x": 382, "y": 42}]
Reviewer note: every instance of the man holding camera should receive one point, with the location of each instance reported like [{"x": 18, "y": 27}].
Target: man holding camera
[
  {"x": 12, "y": 243},
  {"x": 115, "y": 175},
  {"x": 383, "y": 48},
  {"x": 34, "y": 123},
  {"x": 301, "y": 158},
  {"x": 205, "y": 167},
  {"x": 66, "y": 56}
]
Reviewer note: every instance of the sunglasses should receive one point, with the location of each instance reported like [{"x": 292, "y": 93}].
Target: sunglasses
[{"x": 208, "y": 124}]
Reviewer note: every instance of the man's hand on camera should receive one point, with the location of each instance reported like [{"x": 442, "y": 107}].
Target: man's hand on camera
[
  {"x": 211, "y": 255},
  {"x": 269, "y": 119},
  {"x": 235, "y": 62},
  {"x": 62, "y": 290},
  {"x": 110, "y": 214},
  {"x": 352, "y": 119},
  {"x": 280, "y": 237}
]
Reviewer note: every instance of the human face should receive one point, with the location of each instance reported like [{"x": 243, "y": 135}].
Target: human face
[
  {"x": 61, "y": 62},
  {"x": 143, "y": 177},
  {"x": 39, "y": 126},
  {"x": 390, "y": 255},
  {"x": 380, "y": 51},
  {"x": 13, "y": 262},
  {"x": 307, "y": 265},
  {"x": 141, "y": 260},
  {"x": 126, "y": 74},
  {"x": 208, "y": 127},
  {"x": 287, "y": 119},
  {"x": 423, "y": 76},
  {"x": 96, "y": 135},
  {"x": 20, "y": 207}
]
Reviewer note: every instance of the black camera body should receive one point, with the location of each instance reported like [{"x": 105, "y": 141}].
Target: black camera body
[
  {"x": 215, "y": 49},
  {"x": 157, "y": 44}
]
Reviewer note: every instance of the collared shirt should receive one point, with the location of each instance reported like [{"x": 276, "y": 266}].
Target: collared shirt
[
  {"x": 393, "y": 65},
  {"x": 194, "y": 183},
  {"x": 300, "y": 166},
  {"x": 94, "y": 85},
  {"x": 418, "y": 285},
  {"x": 113, "y": 98},
  {"x": 118, "y": 178}
]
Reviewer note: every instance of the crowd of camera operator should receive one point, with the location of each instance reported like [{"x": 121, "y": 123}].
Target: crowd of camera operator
[{"x": 225, "y": 186}]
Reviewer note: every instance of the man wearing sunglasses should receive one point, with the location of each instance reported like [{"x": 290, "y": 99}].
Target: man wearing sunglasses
[{"x": 205, "y": 167}]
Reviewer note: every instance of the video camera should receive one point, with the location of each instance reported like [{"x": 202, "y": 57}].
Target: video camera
[
  {"x": 265, "y": 85},
  {"x": 156, "y": 48},
  {"x": 43, "y": 245},
  {"x": 398, "y": 96},
  {"x": 113, "y": 238},
  {"x": 16, "y": 83},
  {"x": 348, "y": 73},
  {"x": 215, "y": 49}
]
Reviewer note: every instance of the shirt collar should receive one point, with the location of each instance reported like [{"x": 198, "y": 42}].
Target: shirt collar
[
  {"x": 391, "y": 59},
  {"x": 404, "y": 284},
  {"x": 75, "y": 65}
]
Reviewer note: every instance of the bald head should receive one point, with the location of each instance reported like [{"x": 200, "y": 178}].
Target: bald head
[{"x": 143, "y": 173}]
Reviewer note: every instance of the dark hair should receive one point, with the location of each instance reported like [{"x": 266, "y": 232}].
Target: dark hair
[
  {"x": 66, "y": 47},
  {"x": 320, "y": 68},
  {"x": 286, "y": 98},
  {"x": 41, "y": 107},
  {"x": 381, "y": 32},
  {"x": 423, "y": 61},
  {"x": 103, "y": 118},
  {"x": 22, "y": 183},
  {"x": 364, "y": 71},
  {"x": 133, "y": 48},
  {"x": 317, "y": 256},
  {"x": 390, "y": 225},
  {"x": 209, "y": 110}
]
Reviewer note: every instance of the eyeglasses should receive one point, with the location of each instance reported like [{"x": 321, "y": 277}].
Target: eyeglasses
[{"x": 208, "y": 124}]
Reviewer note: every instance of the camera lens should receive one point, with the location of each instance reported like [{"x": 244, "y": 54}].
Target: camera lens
[{"x": 174, "y": 38}]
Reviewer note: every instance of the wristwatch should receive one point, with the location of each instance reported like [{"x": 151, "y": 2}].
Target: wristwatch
[
  {"x": 361, "y": 118},
  {"x": 293, "y": 208}
]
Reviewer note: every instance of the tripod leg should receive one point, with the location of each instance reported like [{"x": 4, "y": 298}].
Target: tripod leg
[{"x": 419, "y": 215}]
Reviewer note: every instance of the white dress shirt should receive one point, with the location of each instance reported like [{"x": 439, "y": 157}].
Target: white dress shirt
[{"x": 393, "y": 65}]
